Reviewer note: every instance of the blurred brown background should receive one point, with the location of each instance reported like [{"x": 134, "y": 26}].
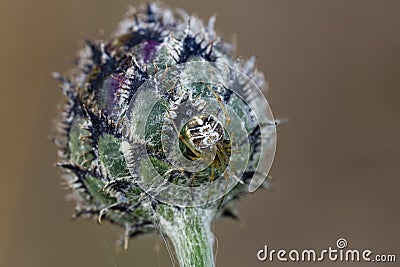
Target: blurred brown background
[{"x": 333, "y": 69}]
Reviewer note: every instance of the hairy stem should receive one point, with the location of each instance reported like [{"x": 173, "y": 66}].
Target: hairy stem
[{"x": 189, "y": 230}]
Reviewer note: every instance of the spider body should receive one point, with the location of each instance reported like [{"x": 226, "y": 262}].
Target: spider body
[
  {"x": 204, "y": 137},
  {"x": 204, "y": 131}
]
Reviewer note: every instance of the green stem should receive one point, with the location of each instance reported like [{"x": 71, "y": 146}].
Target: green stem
[{"x": 189, "y": 230}]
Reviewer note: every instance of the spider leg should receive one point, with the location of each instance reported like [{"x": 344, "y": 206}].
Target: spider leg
[
  {"x": 183, "y": 139},
  {"x": 219, "y": 100}
]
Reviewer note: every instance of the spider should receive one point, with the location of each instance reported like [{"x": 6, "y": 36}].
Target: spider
[
  {"x": 204, "y": 137},
  {"x": 200, "y": 135}
]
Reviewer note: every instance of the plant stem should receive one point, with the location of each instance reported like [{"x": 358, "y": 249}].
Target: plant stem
[{"x": 189, "y": 230}]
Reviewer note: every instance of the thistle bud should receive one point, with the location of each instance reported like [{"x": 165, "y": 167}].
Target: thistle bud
[{"x": 164, "y": 129}]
